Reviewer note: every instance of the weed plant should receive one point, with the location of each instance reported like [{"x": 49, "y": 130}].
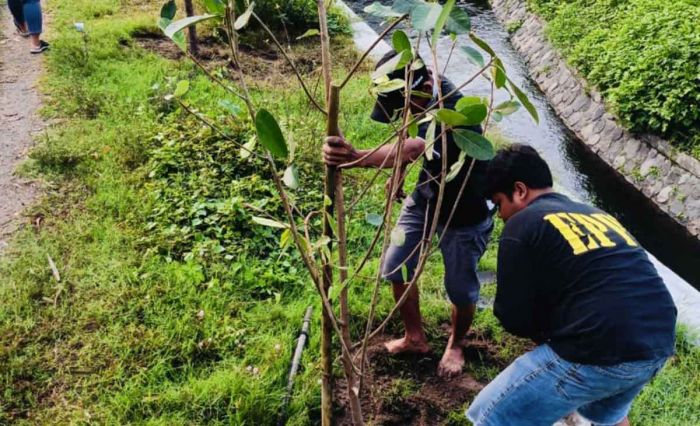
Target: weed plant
[{"x": 644, "y": 55}]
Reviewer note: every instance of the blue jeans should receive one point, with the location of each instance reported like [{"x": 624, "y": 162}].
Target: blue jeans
[
  {"x": 461, "y": 248},
  {"x": 32, "y": 16},
  {"x": 540, "y": 388},
  {"x": 17, "y": 11}
]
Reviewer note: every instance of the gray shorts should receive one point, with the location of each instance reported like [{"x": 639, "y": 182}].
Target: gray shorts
[{"x": 461, "y": 249}]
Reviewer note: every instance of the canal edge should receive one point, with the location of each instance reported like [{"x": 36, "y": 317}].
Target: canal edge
[{"x": 670, "y": 179}]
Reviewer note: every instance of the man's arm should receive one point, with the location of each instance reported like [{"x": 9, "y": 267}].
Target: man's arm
[
  {"x": 338, "y": 152},
  {"x": 516, "y": 304}
]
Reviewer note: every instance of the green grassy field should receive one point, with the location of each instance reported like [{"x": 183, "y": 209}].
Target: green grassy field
[{"x": 173, "y": 307}]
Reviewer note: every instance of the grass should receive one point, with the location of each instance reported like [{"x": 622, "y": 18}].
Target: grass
[{"x": 173, "y": 308}]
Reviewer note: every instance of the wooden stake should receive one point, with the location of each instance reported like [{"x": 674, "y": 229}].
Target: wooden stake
[{"x": 326, "y": 327}]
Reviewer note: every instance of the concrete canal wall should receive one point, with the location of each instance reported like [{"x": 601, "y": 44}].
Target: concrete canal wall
[{"x": 669, "y": 178}]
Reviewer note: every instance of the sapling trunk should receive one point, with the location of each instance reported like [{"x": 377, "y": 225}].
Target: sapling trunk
[{"x": 192, "y": 30}]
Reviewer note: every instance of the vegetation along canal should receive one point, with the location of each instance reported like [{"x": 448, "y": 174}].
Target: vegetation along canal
[{"x": 578, "y": 172}]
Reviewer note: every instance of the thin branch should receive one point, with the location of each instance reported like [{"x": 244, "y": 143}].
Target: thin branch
[
  {"x": 218, "y": 130},
  {"x": 214, "y": 78},
  {"x": 370, "y": 48},
  {"x": 291, "y": 63}
]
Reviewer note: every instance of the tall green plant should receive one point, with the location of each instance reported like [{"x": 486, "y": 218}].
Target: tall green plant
[{"x": 431, "y": 20}]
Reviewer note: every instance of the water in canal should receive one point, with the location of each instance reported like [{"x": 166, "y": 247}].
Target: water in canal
[{"x": 577, "y": 172}]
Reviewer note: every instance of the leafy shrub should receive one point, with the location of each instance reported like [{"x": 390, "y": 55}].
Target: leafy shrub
[
  {"x": 297, "y": 16},
  {"x": 644, "y": 55}
]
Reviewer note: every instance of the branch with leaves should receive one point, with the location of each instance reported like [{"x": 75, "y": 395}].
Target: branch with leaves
[{"x": 431, "y": 21}]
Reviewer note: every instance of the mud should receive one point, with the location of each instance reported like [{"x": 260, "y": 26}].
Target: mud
[{"x": 406, "y": 390}]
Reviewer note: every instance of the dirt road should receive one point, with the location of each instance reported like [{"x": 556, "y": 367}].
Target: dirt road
[{"x": 19, "y": 103}]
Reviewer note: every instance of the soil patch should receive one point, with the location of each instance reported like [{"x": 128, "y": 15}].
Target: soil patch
[
  {"x": 19, "y": 102},
  {"x": 406, "y": 390},
  {"x": 262, "y": 62}
]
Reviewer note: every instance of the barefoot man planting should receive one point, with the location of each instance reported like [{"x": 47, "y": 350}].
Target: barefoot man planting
[{"x": 463, "y": 240}]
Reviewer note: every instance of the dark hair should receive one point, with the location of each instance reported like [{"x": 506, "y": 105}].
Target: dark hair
[{"x": 517, "y": 163}]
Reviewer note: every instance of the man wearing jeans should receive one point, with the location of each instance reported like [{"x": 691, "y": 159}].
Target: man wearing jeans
[
  {"x": 462, "y": 241},
  {"x": 571, "y": 278}
]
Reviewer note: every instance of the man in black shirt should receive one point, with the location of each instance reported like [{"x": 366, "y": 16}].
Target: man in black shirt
[
  {"x": 462, "y": 241},
  {"x": 571, "y": 278}
]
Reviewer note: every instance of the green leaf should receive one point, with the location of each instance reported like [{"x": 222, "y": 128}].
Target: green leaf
[
  {"x": 522, "y": 97},
  {"x": 405, "y": 6},
  {"x": 466, "y": 101},
  {"x": 309, "y": 33},
  {"x": 496, "y": 116},
  {"x": 499, "y": 74},
  {"x": 451, "y": 118},
  {"x": 424, "y": 16},
  {"x": 442, "y": 19},
  {"x": 322, "y": 242},
  {"x": 291, "y": 177},
  {"x": 404, "y": 272},
  {"x": 248, "y": 148},
  {"x": 413, "y": 126},
  {"x": 482, "y": 44},
  {"x": 269, "y": 222},
  {"x": 474, "y": 113},
  {"x": 377, "y": 9},
  {"x": 242, "y": 20},
  {"x": 182, "y": 87},
  {"x": 177, "y": 26},
  {"x": 474, "y": 56},
  {"x": 430, "y": 139},
  {"x": 286, "y": 238},
  {"x": 400, "y": 41},
  {"x": 215, "y": 7},
  {"x": 454, "y": 169},
  {"x": 473, "y": 144},
  {"x": 417, "y": 64},
  {"x": 507, "y": 107},
  {"x": 458, "y": 22},
  {"x": 270, "y": 134},
  {"x": 389, "y": 86},
  {"x": 374, "y": 219},
  {"x": 230, "y": 107},
  {"x": 398, "y": 236},
  {"x": 398, "y": 61},
  {"x": 168, "y": 10},
  {"x": 419, "y": 94}
]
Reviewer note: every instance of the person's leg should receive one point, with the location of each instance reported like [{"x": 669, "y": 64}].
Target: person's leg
[
  {"x": 16, "y": 9},
  {"x": 526, "y": 393},
  {"x": 625, "y": 380},
  {"x": 414, "y": 339},
  {"x": 453, "y": 359},
  {"x": 461, "y": 250},
  {"x": 32, "y": 16},
  {"x": 399, "y": 265}
]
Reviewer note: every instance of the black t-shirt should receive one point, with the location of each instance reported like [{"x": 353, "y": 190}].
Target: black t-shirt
[
  {"x": 571, "y": 276},
  {"x": 471, "y": 206}
]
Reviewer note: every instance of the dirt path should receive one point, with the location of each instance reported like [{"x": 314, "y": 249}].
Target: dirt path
[{"x": 19, "y": 103}]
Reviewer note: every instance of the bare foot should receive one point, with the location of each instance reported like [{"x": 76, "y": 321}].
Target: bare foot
[
  {"x": 451, "y": 363},
  {"x": 405, "y": 345}
]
